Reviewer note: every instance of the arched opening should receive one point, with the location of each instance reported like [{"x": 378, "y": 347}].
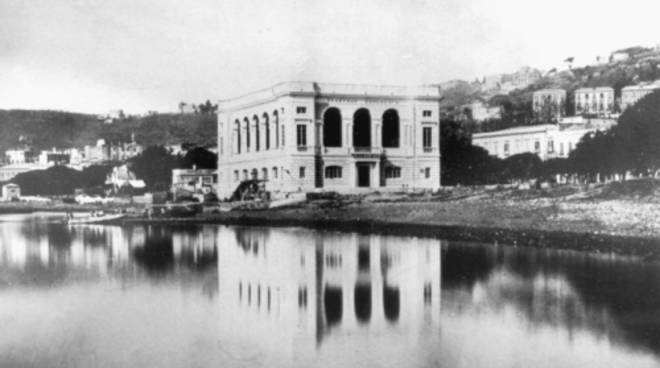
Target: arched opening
[
  {"x": 257, "y": 137},
  {"x": 332, "y": 127},
  {"x": 391, "y": 303},
  {"x": 276, "y": 118},
  {"x": 362, "y": 298},
  {"x": 246, "y": 122},
  {"x": 362, "y": 128},
  {"x": 391, "y": 133},
  {"x": 237, "y": 124},
  {"x": 333, "y": 302},
  {"x": 267, "y": 131}
]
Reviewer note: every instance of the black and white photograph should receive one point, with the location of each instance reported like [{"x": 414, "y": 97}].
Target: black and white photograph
[{"x": 347, "y": 183}]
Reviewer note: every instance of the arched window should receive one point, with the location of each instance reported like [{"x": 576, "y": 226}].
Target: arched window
[
  {"x": 390, "y": 133},
  {"x": 276, "y": 119},
  {"x": 332, "y": 127},
  {"x": 391, "y": 303},
  {"x": 333, "y": 302},
  {"x": 257, "y": 137},
  {"x": 362, "y": 302},
  {"x": 264, "y": 173},
  {"x": 247, "y": 134},
  {"x": 267, "y": 131},
  {"x": 237, "y": 124},
  {"x": 255, "y": 174},
  {"x": 362, "y": 128},
  {"x": 333, "y": 172}
]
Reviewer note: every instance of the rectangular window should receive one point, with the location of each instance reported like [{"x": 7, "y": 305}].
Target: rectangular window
[
  {"x": 392, "y": 172},
  {"x": 426, "y": 113},
  {"x": 427, "y": 138},
  {"x": 506, "y": 148},
  {"x": 301, "y": 109},
  {"x": 301, "y": 171},
  {"x": 301, "y": 135},
  {"x": 427, "y": 172},
  {"x": 551, "y": 147},
  {"x": 283, "y": 135},
  {"x": 333, "y": 172},
  {"x": 264, "y": 173},
  {"x": 235, "y": 175},
  {"x": 274, "y": 172},
  {"x": 537, "y": 147},
  {"x": 561, "y": 149}
]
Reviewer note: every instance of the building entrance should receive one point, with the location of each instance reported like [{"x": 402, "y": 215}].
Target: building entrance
[{"x": 363, "y": 175}]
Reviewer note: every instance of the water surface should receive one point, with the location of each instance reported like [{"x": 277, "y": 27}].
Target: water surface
[{"x": 227, "y": 296}]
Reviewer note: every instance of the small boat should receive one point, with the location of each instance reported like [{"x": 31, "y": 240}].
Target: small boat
[{"x": 95, "y": 219}]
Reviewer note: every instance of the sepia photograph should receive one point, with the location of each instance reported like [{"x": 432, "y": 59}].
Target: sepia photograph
[{"x": 348, "y": 183}]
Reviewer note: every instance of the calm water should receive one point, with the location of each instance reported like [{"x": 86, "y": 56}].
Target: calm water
[{"x": 218, "y": 296}]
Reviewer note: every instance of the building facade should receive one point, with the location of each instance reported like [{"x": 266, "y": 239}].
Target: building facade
[
  {"x": 549, "y": 103},
  {"x": 304, "y": 136},
  {"x": 547, "y": 141},
  {"x": 631, "y": 94},
  {"x": 597, "y": 101},
  {"x": 186, "y": 182}
]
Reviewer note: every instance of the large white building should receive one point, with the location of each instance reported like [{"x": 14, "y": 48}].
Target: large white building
[
  {"x": 598, "y": 100},
  {"x": 547, "y": 141},
  {"x": 302, "y": 136}
]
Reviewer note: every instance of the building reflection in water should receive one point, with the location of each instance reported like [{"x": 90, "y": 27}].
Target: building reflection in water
[
  {"x": 51, "y": 252},
  {"x": 312, "y": 288}
]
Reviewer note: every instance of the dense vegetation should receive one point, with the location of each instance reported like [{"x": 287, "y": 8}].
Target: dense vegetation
[{"x": 48, "y": 129}]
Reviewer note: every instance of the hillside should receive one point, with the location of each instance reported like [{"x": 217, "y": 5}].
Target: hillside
[
  {"x": 641, "y": 65},
  {"x": 48, "y": 129}
]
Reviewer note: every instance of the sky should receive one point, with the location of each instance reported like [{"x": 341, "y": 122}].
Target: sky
[{"x": 140, "y": 55}]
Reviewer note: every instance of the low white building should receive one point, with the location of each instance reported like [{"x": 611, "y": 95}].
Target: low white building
[
  {"x": 547, "y": 141},
  {"x": 11, "y": 192},
  {"x": 193, "y": 181}
]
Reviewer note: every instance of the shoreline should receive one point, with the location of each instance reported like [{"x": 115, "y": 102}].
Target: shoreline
[{"x": 565, "y": 218}]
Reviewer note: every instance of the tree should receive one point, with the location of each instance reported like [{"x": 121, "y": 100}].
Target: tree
[
  {"x": 569, "y": 60},
  {"x": 154, "y": 165},
  {"x": 200, "y": 158}
]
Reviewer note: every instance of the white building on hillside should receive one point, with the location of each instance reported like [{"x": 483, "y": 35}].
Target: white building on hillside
[
  {"x": 304, "y": 136},
  {"x": 598, "y": 101},
  {"x": 631, "y": 94}
]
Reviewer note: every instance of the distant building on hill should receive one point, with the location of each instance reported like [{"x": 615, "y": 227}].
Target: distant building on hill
[
  {"x": 20, "y": 156},
  {"x": 631, "y": 94},
  {"x": 11, "y": 192},
  {"x": 54, "y": 156},
  {"x": 480, "y": 111},
  {"x": 104, "y": 151},
  {"x": 547, "y": 141},
  {"x": 550, "y": 101},
  {"x": 597, "y": 101},
  {"x": 123, "y": 180}
]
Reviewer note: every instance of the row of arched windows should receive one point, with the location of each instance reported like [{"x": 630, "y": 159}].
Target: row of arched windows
[
  {"x": 265, "y": 132},
  {"x": 258, "y": 133},
  {"x": 332, "y": 128}
]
